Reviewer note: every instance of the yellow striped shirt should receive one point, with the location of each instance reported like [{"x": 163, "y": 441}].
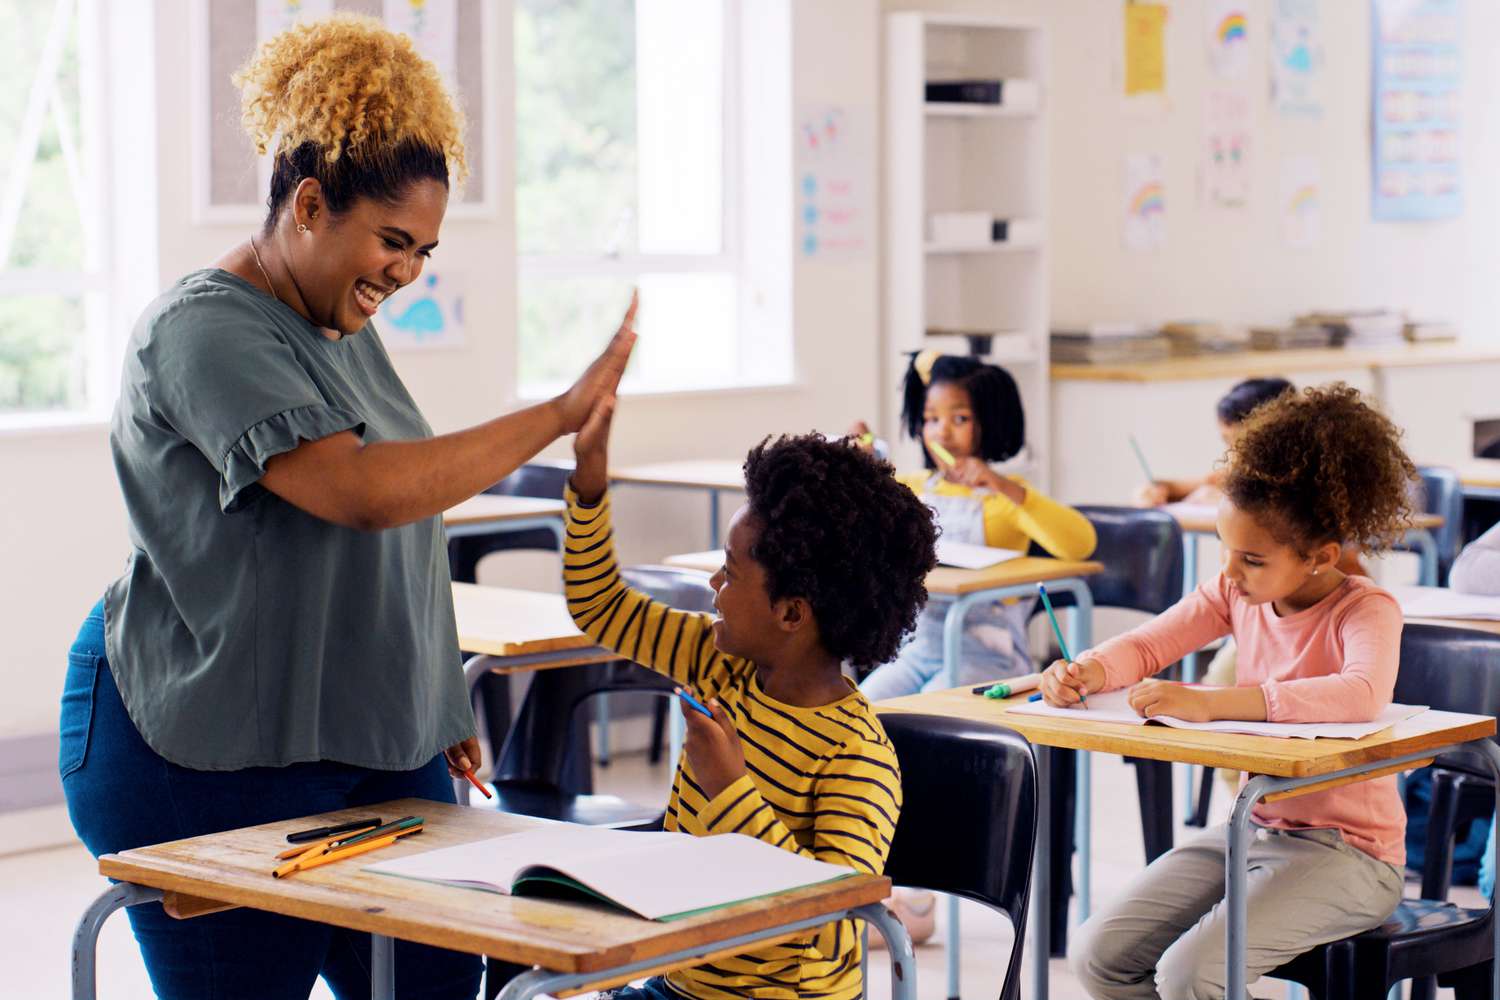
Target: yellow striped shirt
[{"x": 822, "y": 782}]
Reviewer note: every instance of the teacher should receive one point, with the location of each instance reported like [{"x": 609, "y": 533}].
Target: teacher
[{"x": 282, "y": 641}]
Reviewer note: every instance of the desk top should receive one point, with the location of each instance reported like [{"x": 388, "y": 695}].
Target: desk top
[
  {"x": 235, "y": 867},
  {"x": 493, "y": 508},
  {"x": 947, "y": 580},
  {"x": 1249, "y": 364},
  {"x": 1482, "y": 472},
  {"x": 1202, "y": 518},
  {"x": 708, "y": 474},
  {"x": 499, "y": 621},
  {"x": 1279, "y": 757}
]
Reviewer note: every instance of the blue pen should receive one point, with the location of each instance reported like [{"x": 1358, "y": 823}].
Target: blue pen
[
  {"x": 683, "y": 694},
  {"x": 1035, "y": 697},
  {"x": 1041, "y": 588}
]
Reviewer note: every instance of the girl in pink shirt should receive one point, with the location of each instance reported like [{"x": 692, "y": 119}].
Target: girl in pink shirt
[{"x": 1312, "y": 473}]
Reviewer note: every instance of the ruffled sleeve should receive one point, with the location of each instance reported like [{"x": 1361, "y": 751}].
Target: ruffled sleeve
[{"x": 245, "y": 462}]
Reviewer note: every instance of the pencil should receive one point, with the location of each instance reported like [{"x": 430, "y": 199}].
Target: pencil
[
  {"x": 1140, "y": 456},
  {"x": 301, "y": 849},
  {"x": 328, "y": 857},
  {"x": 477, "y": 783},
  {"x": 941, "y": 454},
  {"x": 1041, "y": 588}
]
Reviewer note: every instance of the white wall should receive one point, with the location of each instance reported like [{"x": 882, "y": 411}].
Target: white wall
[{"x": 63, "y": 535}]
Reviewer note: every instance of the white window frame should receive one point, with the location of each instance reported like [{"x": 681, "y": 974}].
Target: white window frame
[
  {"x": 119, "y": 196},
  {"x": 729, "y": 261}
]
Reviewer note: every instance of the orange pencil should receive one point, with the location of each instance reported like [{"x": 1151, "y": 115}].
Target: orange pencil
[
  {"x": 302, "y": 865},
  {"x": 301, "y": 849},
  {"x": 477, "y": 783}
]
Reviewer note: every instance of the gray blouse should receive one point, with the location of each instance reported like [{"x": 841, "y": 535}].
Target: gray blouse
[{"x": 245, "y": 631}]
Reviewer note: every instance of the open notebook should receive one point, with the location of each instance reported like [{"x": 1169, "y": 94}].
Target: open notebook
[
  {"x": 659, "y": 876},
  {"x": 966, "y": 556},
  {"x": 1114, "y": 706},
  {"x": 1441, "y": 602}
]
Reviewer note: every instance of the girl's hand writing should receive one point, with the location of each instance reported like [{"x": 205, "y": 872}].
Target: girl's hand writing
[{"x": 1065, "y": 682}]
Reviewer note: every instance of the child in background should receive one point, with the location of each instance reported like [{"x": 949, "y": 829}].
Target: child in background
[
  {"x": 971, "y": 411},
  {"x": 1232, "y": 410},
  {"x": 1308, "y": 475},
  {"x": 1477, "y": 568},
  {"x": 825, "y": 563}
]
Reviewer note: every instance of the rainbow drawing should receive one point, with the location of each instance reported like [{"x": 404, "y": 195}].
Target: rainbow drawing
[
  {"x": 1304, "y": 200},
  {"x": 1148, "y": 200},
  {"x": 1232, "y": 28}
]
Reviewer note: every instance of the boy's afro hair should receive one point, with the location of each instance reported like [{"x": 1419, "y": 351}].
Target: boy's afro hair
[{"x": 839, "y": 531}]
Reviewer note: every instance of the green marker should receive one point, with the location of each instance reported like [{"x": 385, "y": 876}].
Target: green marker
[
  {"x": 943, "y": 454},
  {"x": 1083, "y": 698}
]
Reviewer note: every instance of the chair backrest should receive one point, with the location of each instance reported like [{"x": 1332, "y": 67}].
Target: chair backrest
[
  {"x": 681, "y": 588},
  {"x": 968, "y": 816},
  {"x": 545, "y": 479},
  {"x": 1443, "y": 495},
  {"x": 1141, "y": 550},
  {"x": 1451, "y": 670}
]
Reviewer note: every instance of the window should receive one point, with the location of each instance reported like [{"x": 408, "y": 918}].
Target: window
[
  {"x": 626, "y": 162},
  {"x": 60, "y": 322}
]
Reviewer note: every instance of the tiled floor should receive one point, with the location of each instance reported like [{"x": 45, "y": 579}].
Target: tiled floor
[{"x": 42, "y": 893}]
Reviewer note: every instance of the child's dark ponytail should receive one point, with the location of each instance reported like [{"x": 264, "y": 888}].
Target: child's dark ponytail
[{"x": 993, "y": 394}]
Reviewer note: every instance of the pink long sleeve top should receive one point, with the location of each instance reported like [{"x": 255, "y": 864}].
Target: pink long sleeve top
[{"x": 1333, "y": 662}]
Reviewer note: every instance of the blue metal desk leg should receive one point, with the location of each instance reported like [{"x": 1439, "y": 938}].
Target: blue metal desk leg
[
  {"x": 382, "y": 967},
  {"x": 1185, "y": 772},
  {"x": 86, "y": 936},
  {"x": 1421, "y": 539},
  {"x": 1081, "y": 627}
]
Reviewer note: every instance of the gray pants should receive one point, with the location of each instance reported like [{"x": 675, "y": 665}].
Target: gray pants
[{"x": 1164, "y": 935}]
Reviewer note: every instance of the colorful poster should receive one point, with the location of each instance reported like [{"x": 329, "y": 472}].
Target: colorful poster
[
  {"x": 272, "y": 17},
  {"x": 1227, "y": 23},
  {"x": 1296, "y": 59},
  {"x": 425, "y": 315},
  {"x": 1145, "y": 48},
  {"x": 1416, "y": 85},
  {"x": 433, "y": 27},
  {"x": 1225, "y": 175},
  {"x": 1301, "y": 201},
  {"x": 1145, "y": 202},
  {"x": 833, "y": 210}
]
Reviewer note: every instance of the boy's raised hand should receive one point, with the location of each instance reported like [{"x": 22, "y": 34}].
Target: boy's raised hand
[
  {"x": 713, "y": 749},
  {"x": 591, "y": 452}
]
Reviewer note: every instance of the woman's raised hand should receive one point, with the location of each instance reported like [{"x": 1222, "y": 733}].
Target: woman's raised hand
[{"x": 602, "y": 378}]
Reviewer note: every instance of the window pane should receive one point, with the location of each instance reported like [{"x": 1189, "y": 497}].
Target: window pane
[
  {"x": 41, "y": 352},
  {"x": 687, "y": 324},
  {"x": 575, "y": 126}
]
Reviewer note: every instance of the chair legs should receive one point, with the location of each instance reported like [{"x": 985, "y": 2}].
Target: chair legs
[
  {"x": 1205, "y": 796},
  {"x": 1153, "y": 782}
]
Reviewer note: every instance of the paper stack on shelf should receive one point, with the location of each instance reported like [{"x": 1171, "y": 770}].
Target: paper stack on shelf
[
  {"x": 1297, "y": 336},
  {"x": 1192, "y": 337},
  {"x": 1430, "y": 332},
  {"x": 1109, "y": 344},
  {"x": 1361, "y": 327}
]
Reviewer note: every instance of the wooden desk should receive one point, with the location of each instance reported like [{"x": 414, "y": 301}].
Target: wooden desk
[
  {"x": 945, "y": 580},
  {"x": 576, "y": 944},
  {"x": 491, "y": 512},
  {"x": 714, "y": 475},
  {"x": 1414, "y": 598},
  {"x": 532, "y": 630},
  {"x": 1282, "y": 768}
]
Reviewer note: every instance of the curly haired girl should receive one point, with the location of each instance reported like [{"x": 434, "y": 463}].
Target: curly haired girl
[{"x": 1310, "y": 474}]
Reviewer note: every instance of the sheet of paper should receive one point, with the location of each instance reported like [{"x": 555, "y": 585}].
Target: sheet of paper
[
  {"x": 1145, "y": 202},
  {"x": 656, "y": 875},
  {"x": 966, "y": 556},
  {"x": 1145, "y": 48},
  {"x": 1114, "y": 706},
  {"x": 1192, "y": 511},
  {"x": 1440, "y": 602}
]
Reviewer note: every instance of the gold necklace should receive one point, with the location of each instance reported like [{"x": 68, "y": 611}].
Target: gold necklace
[{"x": 262, "y": 267}]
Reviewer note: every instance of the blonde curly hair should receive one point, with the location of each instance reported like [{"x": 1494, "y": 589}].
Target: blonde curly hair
[
  {"x": 348, "y": 91},
  {"x": 1321, "y": 465}
]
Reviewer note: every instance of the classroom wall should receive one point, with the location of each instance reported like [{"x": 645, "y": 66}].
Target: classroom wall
[
  {"x": 1232, "y": 264},
  {"x": 64, "y": 535}
]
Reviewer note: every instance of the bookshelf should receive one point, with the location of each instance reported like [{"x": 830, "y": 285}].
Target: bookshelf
[{"x": 959, "y": 157}]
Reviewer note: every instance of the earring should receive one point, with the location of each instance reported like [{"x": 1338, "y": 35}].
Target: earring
[{"x": 301, "y": 227}]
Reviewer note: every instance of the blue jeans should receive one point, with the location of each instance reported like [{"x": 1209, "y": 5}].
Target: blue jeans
[
  {"x": 121, "y": 794},
  {"x": 655, "y": 988}
]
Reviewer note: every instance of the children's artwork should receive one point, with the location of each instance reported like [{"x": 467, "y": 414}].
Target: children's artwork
[
  {"x": 833, "y": 209},
  {"x": 1301, "y": 202},
  {"x": 433, "y": 28},
  {"x": 1225, "y": 177},
  {"x": 427, "y": 314},
  {"x": 1145, "y": 202},
  {"x": 1145, "y": 48},
  {"x": 1227, "y": 23},
  {"x": 272, "y": 17},
  {"x": 1296, "y": 59},
  {"x": 1416, "y": 84}
]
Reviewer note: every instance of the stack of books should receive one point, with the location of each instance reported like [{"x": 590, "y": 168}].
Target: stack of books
[
  {"x": 1360, "y": 327},
  {"x": 1297, "y": 336},
  {"x": 1109, "y": 344},
  {"x": 1191, "y": 337},
  {"x": 1430, "y": 332}
]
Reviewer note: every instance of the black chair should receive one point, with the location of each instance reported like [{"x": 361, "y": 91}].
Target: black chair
[
  {"x": 1451, "y": 669},
  {"x": 968, "y": 819},
  {"x": 534, "y": 479}
]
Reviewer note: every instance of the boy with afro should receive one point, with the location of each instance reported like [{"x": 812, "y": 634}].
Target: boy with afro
[{"x": 823, "y": 564}]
